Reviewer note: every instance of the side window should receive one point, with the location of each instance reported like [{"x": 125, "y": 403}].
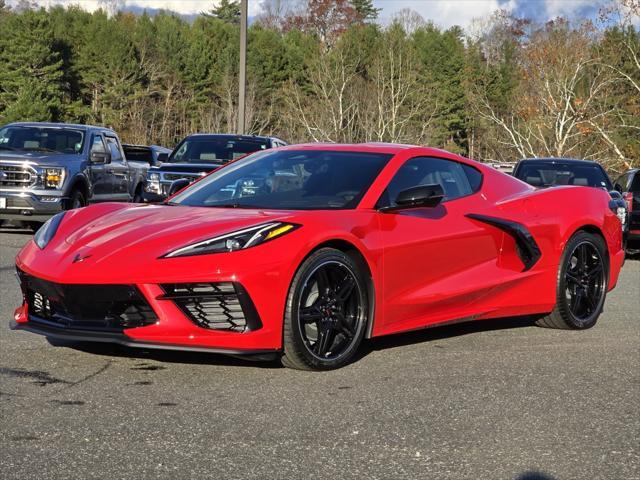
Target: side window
[
  {"x": 114, "y": 149},
  {"x": 635, "y": 183},
  {"x": 457, "y": 180},
  {"x": 97, "y": 145}
]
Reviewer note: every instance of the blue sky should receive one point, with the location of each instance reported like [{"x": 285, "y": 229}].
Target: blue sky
[{"x": 442, "y": 12}]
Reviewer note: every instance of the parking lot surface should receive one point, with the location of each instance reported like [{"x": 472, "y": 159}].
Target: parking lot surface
[{"x": 490, "y": 400}]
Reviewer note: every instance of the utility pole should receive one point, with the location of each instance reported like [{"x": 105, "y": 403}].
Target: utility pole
[{"x": 243, "y": 67}]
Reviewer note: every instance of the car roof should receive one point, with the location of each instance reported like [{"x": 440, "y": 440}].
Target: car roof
[
  {"x": 552, "y": 160},
  {"x": 371, "y": 147},
  {"x": 228, "y": 135},
  {"x": 76, "y": 126}
]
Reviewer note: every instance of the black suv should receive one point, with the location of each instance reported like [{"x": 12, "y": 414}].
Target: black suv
[
  {"x": 49, "y": 167},
  {"x": 551, "y": 172},
  {"x": 199, "y": 154},
  {"x": 628, "y": 185}
]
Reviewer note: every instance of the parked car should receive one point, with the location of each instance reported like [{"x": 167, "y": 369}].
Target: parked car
[
  {"x": 199, "y": 154},
  {"x": 552, "y": 172},
  {"x": 46, "y": 168},
  {"x": 504, "y": 167},
  {"x": 303, "y": 251},
  {"x": 629, "y": 186},
  {"x": 152, "y": 155}
]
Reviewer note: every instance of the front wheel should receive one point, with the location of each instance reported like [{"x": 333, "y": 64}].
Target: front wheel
[
  {"x": 76, "y": 200},
  {"x": 582, "y": 284},
  {"x": 327, "y": 312}
]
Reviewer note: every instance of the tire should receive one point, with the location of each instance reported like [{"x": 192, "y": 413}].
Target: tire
[
  {"x": 76, "y": 200},
  {"x": 137, "y": 196},
  {"x": 329, "y": 291},
  {"x": 583, "y": 276}
]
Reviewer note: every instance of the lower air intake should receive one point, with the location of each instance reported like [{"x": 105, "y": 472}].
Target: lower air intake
[{"x": 215, "y": 306}]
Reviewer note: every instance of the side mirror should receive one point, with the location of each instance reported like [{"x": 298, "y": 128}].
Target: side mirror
[
  {"x": 177, "y": 185},
  {"x": 615, "y": 194},
  {"x": 100, "y": 157},
  {"x": 428, "y": 196},
  {"x": 163, "y": 157}
]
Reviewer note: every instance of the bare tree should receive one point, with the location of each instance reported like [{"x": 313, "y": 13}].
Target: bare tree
[{"x": 409, "y": 20}]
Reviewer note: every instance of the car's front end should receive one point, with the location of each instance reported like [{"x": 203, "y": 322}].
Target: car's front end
[
  {"x": 31, "y": 190},
  {"x": 87, "y": 277}
]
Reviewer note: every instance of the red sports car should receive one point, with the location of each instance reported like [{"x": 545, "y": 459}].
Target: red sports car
[{"x": 306, "y": 250}]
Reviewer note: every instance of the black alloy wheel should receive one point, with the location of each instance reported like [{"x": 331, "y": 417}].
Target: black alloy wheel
[
  {"x": 582, "y": 283},
  {"x": 327, "y": 312}
]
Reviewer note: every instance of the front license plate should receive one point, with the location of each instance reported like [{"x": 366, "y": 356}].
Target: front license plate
[{"x": 3, "y": 203}]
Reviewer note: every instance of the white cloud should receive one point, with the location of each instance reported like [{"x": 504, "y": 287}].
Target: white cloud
[{"x": 444, "y": 13}]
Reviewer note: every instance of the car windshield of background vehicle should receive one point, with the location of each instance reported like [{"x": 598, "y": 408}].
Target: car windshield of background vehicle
[
  {"x": 36, "y": 139},
  {"x": 289, "y": 180},
  {"x": 551, "y": 175},
  {"x": 201, "y": 150}
]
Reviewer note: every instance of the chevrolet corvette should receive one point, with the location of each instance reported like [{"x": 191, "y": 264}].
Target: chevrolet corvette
[{"x": 302, "y": 252}]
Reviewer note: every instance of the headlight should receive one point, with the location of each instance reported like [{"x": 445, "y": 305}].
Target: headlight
[
  {"x": 47, "y": 231},
  {"x": 53, "y": 177},
  {"x": 153, "y": 183},
  {"x": 239, "y": 240}
]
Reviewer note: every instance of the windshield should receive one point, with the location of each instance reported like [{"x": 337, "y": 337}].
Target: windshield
[
  {"x": 41, "y": 139},
  {"x": 543, "y": 174},
  {"x": 288, "y": 180},
  {"x": 215, "y": 150}
]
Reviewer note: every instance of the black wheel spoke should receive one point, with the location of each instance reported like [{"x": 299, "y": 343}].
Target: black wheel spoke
[
  {"x": 322, "y": 277},
  {"x": 573, "y": 278},
  {"x": 595, "y": 271},
  {"x": 324, "y": 342},
  {"x": 345, "y": 289},
  {"x": 310, "y": 314},
  {"x": 344, "y": 326}
]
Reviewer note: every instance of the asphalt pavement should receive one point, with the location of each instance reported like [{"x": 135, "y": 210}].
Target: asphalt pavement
[{"x": 490, "y": 400}]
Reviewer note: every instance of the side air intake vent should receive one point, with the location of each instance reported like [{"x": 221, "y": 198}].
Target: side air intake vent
[{"x": 215, "y": 306}]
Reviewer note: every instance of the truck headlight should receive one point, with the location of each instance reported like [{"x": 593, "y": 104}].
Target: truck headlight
[
  {"x": 153, "y": 183},
  {"x": 53, "y": 177}
]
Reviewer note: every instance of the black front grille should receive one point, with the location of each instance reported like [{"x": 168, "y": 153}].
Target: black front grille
[
  {"x": 14, "y": 176},
  {"x": 215, "y": 306},
  {"x": 91, "y": 307},
  {"x": 179, "y": 176}
]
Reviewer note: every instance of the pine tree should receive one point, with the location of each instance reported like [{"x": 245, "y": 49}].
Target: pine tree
[
  {"x": 228, "y": 11},
  {"x": 30, "y": 69},
  {"x": 365, "y": 9}
]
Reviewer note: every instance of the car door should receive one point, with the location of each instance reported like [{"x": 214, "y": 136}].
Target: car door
[
  {"x": 435, "y": 259},
  {"x": 100, "y": 178},
  {"x": 119, "y": 170}
]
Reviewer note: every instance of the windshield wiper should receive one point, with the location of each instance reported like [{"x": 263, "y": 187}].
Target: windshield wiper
[{"x": 235, "y": 205}]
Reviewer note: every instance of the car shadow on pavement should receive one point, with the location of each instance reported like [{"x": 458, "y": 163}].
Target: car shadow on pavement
[
  {"x": 171, "y": 356},
  {"x": 271, "y": 360},
  {"x": 445, "y": 331},
  {"x": 534, "y": 475}
]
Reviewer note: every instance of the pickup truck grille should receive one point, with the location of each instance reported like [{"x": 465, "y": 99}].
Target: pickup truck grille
[
  {"x": 177, "y": 176},
  {"x": 16, "y": 176}
]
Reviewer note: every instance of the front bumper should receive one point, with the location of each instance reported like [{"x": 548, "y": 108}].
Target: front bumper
[{"x": 33, "y": 206}]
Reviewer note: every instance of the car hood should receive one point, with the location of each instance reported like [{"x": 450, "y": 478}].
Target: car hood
[
  {"x": 188, "y": 167},
  {"x": 145, "y": 232},
  {"x": 38, "y": 158}
]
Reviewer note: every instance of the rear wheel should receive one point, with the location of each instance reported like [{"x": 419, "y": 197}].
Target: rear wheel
[
  {"x": 327, "y": 312},
  {"x": 582, "y": 284}
]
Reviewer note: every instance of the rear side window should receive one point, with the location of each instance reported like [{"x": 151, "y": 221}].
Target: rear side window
[{"x": 456, "y": 179}]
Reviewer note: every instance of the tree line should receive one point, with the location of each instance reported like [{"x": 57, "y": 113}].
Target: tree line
[{"x": 325, "y": 70}]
